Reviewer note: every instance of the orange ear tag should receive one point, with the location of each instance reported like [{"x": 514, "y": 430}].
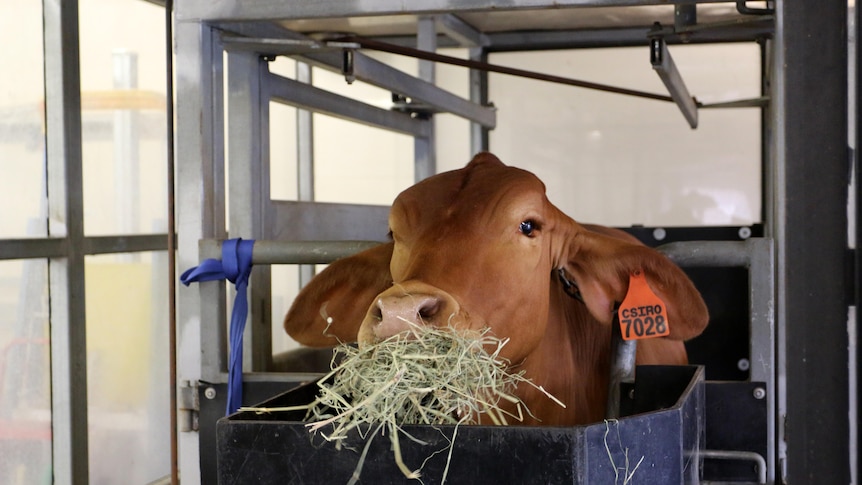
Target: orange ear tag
[{"x": 642, "y": 313}]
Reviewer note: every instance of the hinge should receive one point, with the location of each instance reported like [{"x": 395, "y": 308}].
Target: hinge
[{"x": 189, "y": 407}]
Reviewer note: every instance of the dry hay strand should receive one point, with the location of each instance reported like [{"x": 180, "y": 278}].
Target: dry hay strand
[{"x": 437, "y": 376}]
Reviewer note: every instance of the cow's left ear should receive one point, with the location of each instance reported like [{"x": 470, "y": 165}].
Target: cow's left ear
[{"x": 602, "y": 265}]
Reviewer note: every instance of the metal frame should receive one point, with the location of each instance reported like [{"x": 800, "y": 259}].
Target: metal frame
[
  {"x": 811, "y": 230},
  {"x": 66, "y": 246},
  {"x": 796, "y": 69}
]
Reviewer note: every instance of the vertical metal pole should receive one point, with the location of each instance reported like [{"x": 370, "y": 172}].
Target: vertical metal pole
[
  {"x": 126, "y": 147},
  {"x": 248, "y": 159},
  {"x": 424, "y": 149},
  {"x": 65, "y": 202},
  {"x": 304, "y": 159},
  {"x": 172, "y": 241},
  {"x": 811, "y": 236},
  {"x": 478, "y": 94},
  {"x": 200, "y": 204}
]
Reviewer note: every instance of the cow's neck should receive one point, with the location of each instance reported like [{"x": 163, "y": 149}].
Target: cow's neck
[{"x": 571, "y": 363}]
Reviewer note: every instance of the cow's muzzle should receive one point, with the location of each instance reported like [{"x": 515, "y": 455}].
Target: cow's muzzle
[{"x": 404, "y": 309}]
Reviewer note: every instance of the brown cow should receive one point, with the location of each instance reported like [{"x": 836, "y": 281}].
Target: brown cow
[{"x": 481, "y": 246}]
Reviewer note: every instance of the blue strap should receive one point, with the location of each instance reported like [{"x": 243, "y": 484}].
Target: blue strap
[{"x": 235, "y": 266}]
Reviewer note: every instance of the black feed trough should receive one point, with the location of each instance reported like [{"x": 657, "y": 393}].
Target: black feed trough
[{"x": 657, "y": 442}]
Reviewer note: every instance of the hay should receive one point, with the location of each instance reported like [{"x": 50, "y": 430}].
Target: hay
[{"x": 438, "y": 376}]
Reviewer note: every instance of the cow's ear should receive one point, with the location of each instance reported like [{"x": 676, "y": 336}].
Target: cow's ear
[
  {"x": 333, "y": 304},
  {"x": 602, "y": 265}
]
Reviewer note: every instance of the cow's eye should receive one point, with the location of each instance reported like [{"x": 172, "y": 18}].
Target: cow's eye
[{"x": 527, "y": 227}]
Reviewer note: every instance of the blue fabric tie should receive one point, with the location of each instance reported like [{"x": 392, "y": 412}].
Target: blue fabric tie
[{"x": 235, "y": 266}]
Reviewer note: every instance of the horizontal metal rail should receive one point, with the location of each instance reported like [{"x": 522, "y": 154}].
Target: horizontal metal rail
[
  {"x": 293, "y": 252},
  {"x": 36, "y": 248},
  {"x": 305, "y": 96},
  {"x": 207, "y": 10}
]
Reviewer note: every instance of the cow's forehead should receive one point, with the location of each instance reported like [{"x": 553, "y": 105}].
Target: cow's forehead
[{"x": 472, "y": 189}]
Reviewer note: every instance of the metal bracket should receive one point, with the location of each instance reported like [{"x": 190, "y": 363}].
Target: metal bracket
[
  {"x": 666, "y": 69},
  {"x": 415, "y": 109},
  {"x": 189, "y": 407}
]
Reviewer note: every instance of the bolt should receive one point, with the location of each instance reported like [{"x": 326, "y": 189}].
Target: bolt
[
  {"x": 743, "y": 364},
  {"x": 759, "y": 393},
  {"x": 210, "y": 393},
  {"x": 659, "y": 234},
  {"x": 631, "y": 394},
  {"x": 744, "y": 232}
]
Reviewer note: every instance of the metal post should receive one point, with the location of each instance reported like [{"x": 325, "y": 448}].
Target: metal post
[
  {"x": 810, "y": 100},
  {"x": 248, "y": 129},
  {"x": 304, "y": 158},
  {"x": 424, "y": 151},
  {"x": 66, "y": 206},
  {"x": 200, "y": 203},
  {"x": 478, "y": 94}
]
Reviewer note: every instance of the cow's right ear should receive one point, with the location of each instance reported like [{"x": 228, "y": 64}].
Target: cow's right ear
[{"x": 341, "y": 293}]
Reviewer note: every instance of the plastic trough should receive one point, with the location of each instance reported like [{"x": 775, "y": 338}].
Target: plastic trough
[{"x": 658, "y": 442}]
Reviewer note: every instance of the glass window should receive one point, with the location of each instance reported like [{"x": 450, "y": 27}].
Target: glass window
[
  {"x": 25, "y": 373},
  {"x": 127, "y": 368},
  {"x": 22, "y": 137},
  {"x": 355, "y": 163},
  {"x": 619, "y": 160},
  {"x": 123, "y": 99}
]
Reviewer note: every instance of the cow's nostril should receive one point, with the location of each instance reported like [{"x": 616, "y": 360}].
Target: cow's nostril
[
  {"x": 428, "y": 309},
  {"x": 377, "y": 311}
]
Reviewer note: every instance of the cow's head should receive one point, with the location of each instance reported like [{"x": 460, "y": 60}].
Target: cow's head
[{"x": 478, "y": 247}]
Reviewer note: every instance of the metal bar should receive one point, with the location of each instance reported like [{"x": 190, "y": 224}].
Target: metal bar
[
  {"x": 304, "y": 158},
  {"x": 708, "y": 253},
  {"x": 739, "y": 456},
  {"x": 424, "y": 147},
  {"x": 666, "y": 69},
  {"x": 311, "y": 9},
  {"x": 125, "y": 244},
  {"x": 461, "y": 32},
  {"x": 200, "y": 175},
  {"x": 479, "y": 135},
  {"x": 283, "y": 47},
  {"x": 69, "y": 423},
  {"x": 811, "y": 236},
  {"x": 172, "y": 242},
  {"x": 306, "y": 252},
  {"x": 293, "y": 252},
  {"x": 622, "y": 369},
  {"x": 375, "y": 72},
  {"x": 32, "y": 248},
  {"x": 302, "y": 95},
  {"x": 379, "y": 74},
  {"x": 248, "y": 188},
  {"x": 527, "y": 40}
]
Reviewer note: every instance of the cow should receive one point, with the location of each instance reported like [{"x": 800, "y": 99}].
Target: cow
[{"x": 483, "y": 247}]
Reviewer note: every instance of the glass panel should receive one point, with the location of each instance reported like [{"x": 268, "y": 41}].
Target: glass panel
[
  {"x": 127, "y": 368},
  {"x": 25, "y": 373},
  {"x": 123, "y": 99},
  {"x": 355, "y": 163},
  {"x": 22, "y": 139},
  {"x": 282, "y": 151},
  {"x": 619, "y": 160}
]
